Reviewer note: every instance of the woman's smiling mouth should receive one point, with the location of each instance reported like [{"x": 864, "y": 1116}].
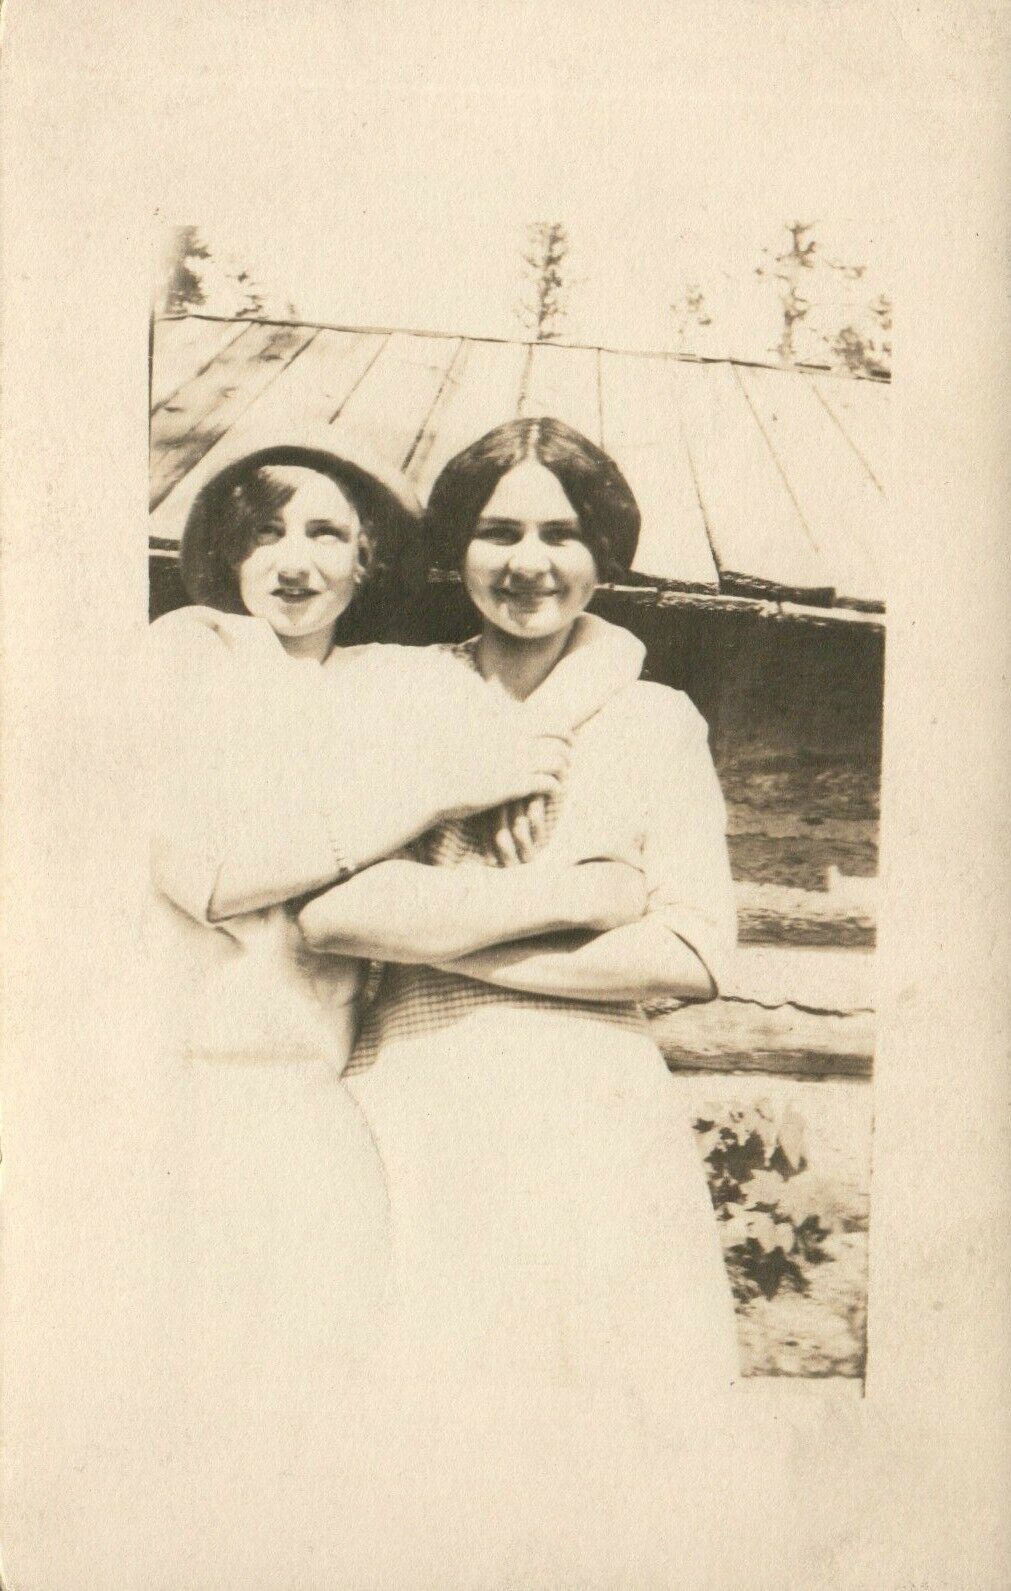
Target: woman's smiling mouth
[
  {"x": 294, "y": 595},
  {"x": 511, "y": 594}
]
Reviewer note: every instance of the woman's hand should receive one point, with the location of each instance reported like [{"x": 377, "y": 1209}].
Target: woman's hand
[
  {"x": 518, "y": 830},
  {"x": 606, "y": 895},
  {"x": 497, "y": 765}
]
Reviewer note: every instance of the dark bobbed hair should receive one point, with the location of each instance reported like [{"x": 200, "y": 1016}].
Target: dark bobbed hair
[
  {"x": 219, "y": 527},
  {"x": 608, "y": 513}
]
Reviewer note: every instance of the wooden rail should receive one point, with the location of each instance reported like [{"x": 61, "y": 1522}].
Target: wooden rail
[{"x": 803, "y": 1013}]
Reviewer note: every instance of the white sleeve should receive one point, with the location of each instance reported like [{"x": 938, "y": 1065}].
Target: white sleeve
[
  {"x": 685, "y": 854},
  {"x": 222, "y": 787}
]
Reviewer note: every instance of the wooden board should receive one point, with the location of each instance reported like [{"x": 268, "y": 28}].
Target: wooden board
[
  {"x": 773, "y": 914},
  {"x": 758, "y": 535},
  {"x": 565, "y": 384},
  {"x": 182, "y": 348},
  {"x": 729, "y": 1037},
  {"x": 862, "y": 410},
  {"x": 841, "y": 504},
  {"x": 386, "y": 412},
  {"x": 481, "y": 391},
  {"x": 643, "y": 434},
  {"x": 817, "y": 980},
  {"x": 299, "y": 405},
  {"x": 209, "y": 404}
]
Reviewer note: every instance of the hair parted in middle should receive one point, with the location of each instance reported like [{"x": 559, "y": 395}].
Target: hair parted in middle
[{"x": 600, "y": 495}]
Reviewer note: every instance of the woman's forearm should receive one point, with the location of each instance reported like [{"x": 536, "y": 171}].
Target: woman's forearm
[
  {"x": 407, "y": 912},
  {"x": 297, "y": 829},
  {"x": 309, "y": 844},
  {"x": 640, "y": 961}
]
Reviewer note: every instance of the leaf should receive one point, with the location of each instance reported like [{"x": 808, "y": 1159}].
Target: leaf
[
  {"x": 765, "y": 1188},
  {"x": 762, "y": 1230},
  {"x": 791, "y": 1140},
  {"x": 786, "y": 1235},
  {"x": 734, "y": 1232},
  {"x": 707, "y": 1141}
]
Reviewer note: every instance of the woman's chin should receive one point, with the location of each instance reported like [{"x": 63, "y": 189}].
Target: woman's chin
[{"x": 533, "y": 626}]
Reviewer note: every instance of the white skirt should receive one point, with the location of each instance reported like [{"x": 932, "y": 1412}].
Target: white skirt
[
  {"x": 272, "y": 1260},
  {"x": 554, "y": 1245}
]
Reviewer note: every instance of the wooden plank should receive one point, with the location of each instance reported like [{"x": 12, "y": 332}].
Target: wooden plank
[
  {"x": 299, "y": 406},
  {"x": 842, "y": 506},
  {"x": 564, "y": 384},
  {"x": 728, "y": 1037},
  {"x": 796, "y": 612},
  {"x": 642, "y": 432},
  {"x": 481, "y": 391},
  {"x": 773, "y": 914},
  {"x": 759, "y": 539},
  {"x": 386, "y": 412},
  {"x": 182, "y": 348},
  {"x": 204, "y": 409},
  {"x": 815, "y": 979},
  {"x": 862, "y": 410}
]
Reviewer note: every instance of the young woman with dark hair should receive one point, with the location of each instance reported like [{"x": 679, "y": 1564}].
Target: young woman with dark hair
[{"x": 552, "y": 1229}]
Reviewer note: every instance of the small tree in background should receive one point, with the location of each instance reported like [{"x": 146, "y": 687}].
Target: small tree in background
[
  {"x": 865, "y": 349},
  {"x": 544, "y": 306},
  {"x": 194, "y": 275},
  {"x": 787, "y": 270},
  {"x": 691, "y": 314},
  {"x": 826, "y": 313},
  {"x": 825, "y": 308},
  {"x": 179, "y": 288}
]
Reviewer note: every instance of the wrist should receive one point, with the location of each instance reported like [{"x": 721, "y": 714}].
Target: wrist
[{"x": 578, "y": 896}]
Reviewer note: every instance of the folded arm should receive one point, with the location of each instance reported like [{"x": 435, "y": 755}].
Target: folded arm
[
  {"x": 679, "y": 949},
  {"x": 407, "y": 912},
  {"x": 640, "y": 961},
  {"x": 261, "y": 796}
]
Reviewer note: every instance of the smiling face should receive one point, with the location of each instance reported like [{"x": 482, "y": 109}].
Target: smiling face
[
  {"x": 305, "y": 557},
  {"x": 527, "y": 569}
]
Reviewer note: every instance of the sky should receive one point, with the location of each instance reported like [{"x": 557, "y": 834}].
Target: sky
[{"x": 393, "y": 183}]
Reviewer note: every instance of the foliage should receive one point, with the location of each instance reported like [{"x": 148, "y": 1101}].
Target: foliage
[
  {"x": 543, "y": 309},
  {"x": 827, "y": 299},
  {"x": 775, "y": 1215},
  {"x": 690, "y": 311},
  {"x": 828, "y": 312},
  {"x": 181, "y": 289},
  {"x": 195, "y": 275}
]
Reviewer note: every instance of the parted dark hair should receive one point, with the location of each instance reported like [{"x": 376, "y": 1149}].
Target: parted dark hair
[
  {"x": 608, "y": 513},
  {"x": 228, "y": 509}
]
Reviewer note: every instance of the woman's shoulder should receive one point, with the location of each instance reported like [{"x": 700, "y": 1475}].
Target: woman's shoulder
[
  {"x": 199, "y": 629},
  {"x": 662, "y": 710}
]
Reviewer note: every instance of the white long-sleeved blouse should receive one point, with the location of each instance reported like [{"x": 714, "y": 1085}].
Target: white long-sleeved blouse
[
  {"x": 641, "y": 787},
  {"x": 278, "y": 766}
]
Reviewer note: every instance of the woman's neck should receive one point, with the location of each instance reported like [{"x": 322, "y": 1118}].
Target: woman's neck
[
  {"x": 315, "y": 648},
  {"x": 519, "y": 666}
]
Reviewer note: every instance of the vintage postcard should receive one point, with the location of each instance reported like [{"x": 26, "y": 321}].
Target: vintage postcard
[{"x": 504, "y": 633}]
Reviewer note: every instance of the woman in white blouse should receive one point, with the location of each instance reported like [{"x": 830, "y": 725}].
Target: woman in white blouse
[
  {"x": 287, "y": 762},
  {"x": 555, "y": 1246}
]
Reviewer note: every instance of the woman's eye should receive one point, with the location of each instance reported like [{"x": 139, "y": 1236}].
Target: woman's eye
[
  {"x": 328, "y": 533},
  {"x": 501, "y": 535},
  {"x": 266, "y": 534}
]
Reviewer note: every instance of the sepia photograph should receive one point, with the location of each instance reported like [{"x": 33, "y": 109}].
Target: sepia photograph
[
  {"x": 484, "y": 1102},
  {"x": 517, "y": 786}
]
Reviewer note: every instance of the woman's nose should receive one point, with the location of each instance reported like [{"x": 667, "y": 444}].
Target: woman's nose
[
  {"x": 293, "y": 556},
  {"x": 529, "y": 554}
]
